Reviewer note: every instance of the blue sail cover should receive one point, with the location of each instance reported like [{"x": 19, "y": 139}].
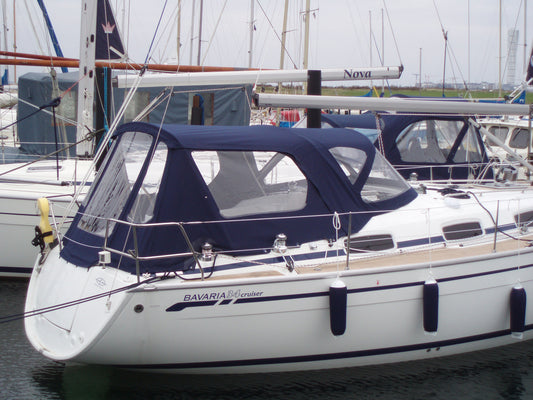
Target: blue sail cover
[
  {"x": 393, "y": 126},
  {"x": 184, "y": 196}
]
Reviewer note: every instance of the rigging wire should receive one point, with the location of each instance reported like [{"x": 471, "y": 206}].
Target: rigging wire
[
  {"x": 214, "y": 32},
  {"x": 39, "y": 311},
  {"x": 392, "y": 32},
  {"x": 148, "y": 54},
  {"x": 169, "y": 25},
  {"x": 448, "y": 47},
  {"x": 37, "y": 37},
  {"x": 276, "y": 33}
]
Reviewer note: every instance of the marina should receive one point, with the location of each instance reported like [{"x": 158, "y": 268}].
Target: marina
[{"x": 188, "y": 245}]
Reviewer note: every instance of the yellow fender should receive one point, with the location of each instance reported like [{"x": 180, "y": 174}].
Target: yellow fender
[{"x": 44, "y": 225}]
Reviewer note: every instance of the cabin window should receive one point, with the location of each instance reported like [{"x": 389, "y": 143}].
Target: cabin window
[
  {"x": 109, "y": 193},
  {"x": 524, "y": 220},
  {"x": 363, "y": 244},
  {"x": 143, "y": 209},
  {"x": 519, "y": 139},
  {"x": 464, "y": 230},
  {"x": 252, "y": 183},
  {"x": 500, "y": 132}
]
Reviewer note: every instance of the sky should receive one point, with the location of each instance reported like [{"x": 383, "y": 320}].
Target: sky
[{"x": 403, "y": 32}]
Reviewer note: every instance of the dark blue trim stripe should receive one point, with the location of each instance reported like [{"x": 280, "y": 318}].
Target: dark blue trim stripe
[
  {"x": 328, "y": 356},
  {"x": 500, "y": 228},
  {"x": 454, "y": 278},
  {"x": 420, "y": 242},
  {"x": 16, "y": 270},
  {"x": 190, "y": 304}
]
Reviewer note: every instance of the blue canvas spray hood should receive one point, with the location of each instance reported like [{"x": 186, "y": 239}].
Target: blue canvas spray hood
[{"x": 184, "y": 195}]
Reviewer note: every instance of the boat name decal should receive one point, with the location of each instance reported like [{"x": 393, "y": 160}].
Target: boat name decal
[
  {"x": 230, "y": 294},
  {"x": 351, "y": 74}
]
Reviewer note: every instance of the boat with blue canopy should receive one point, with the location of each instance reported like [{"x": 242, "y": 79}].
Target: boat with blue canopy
[
  {"x": 430, "y": 146},
  {"x": 217, "y": 249}
]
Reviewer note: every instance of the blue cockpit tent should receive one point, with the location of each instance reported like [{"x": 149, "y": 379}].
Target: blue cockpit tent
[
  {"x": 433, "y": 147},
  {"x": 219, "y": 184}
]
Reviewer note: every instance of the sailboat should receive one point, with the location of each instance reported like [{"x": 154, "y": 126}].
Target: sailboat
[{"x": 278, "y": 249}]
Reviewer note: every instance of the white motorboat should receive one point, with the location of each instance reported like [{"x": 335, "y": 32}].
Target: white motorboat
[{"x": 254, "y": 249}]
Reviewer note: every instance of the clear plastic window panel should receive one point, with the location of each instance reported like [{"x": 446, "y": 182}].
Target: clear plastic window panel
[
  {"x": 350, "y": 160},
  {"x": 469, "y": 150},
  {"x": 110, "y": 192},
  {"x": 252, "y": 183},
  {"x": 383, "y": 182},
  {"x": 142, "y": 210},
  {"x": 431, "y": 141}
]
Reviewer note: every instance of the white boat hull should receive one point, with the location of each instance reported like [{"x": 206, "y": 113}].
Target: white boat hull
[
  {"x": 276, "y": 324},
  {"x": 19, "y": 191}
]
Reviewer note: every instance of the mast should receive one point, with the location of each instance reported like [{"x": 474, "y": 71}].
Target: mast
[
  {"x": 525, "y": 37},
  {"x": 86, "y": 75},
  {"x": 445, "y": 33},
  {"x": 306, "y": 38},
  {"x": 179, "y": 33},
  {"x": 468, "y": 17},
  {"x": 200, "y": 32},
  {"x": 382, "y": 49},
  {"x": 5, "y": 74},
  {"x": 420, "y": 72},
  {"x": 370, "y": 40},
  {"x": 283, "y": 36},
  {"x": 500, "y": 52},
  {"x": 251, "y": 33},
  {"x": 14, "y": 40},
  {"x": 192, "y": 31}
]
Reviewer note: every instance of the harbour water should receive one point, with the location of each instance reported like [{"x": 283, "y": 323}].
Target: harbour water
[{"x": 505, "y": 373}]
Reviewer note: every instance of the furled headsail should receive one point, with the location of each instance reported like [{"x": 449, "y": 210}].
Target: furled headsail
[{"x": 108, "y": 41}]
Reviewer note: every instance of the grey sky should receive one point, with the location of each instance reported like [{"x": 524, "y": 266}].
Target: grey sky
[{"x": 339, "y": 34}]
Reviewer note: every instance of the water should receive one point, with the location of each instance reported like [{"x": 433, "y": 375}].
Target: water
[{"x": 505, "y": 373}]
